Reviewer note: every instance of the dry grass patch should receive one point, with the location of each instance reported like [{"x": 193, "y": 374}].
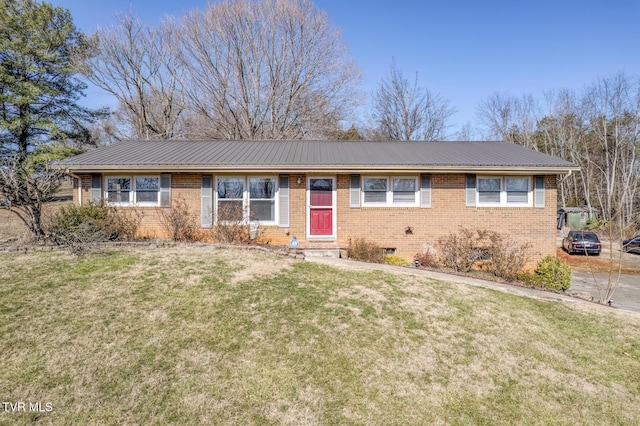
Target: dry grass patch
[{"x": 195, "y": 335}]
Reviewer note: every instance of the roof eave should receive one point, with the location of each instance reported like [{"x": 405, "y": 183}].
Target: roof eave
[{"x": 370, "y": 168}]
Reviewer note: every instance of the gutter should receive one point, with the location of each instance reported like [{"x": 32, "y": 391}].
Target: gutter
[{"x": 304, "y": 169}]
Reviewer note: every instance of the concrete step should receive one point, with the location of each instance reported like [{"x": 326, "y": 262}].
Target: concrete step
[{"x": 322, "y": 252}]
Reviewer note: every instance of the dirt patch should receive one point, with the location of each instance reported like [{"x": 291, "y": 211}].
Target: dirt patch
[{"x": 629, "y": 262}]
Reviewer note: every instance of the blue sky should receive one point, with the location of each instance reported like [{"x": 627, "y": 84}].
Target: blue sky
[{"x": 464, "y": 50}]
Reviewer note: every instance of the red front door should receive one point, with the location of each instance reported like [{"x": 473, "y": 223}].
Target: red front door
[{"x": 321, "y": 206}]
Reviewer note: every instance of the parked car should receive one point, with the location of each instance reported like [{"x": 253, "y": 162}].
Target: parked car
[
  {"x": 632, "y": 245},
  {"x": 582, "y": 242}
]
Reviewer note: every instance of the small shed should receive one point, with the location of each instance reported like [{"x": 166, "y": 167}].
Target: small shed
[{"x": 576, "y": 217}]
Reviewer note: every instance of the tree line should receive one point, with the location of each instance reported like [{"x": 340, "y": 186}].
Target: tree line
[
  {"x": 271, "y": 69},
  {"x": 597, "y": 128}
]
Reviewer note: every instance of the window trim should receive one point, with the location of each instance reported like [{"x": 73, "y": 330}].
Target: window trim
[
  {"x": 274, "y": 200},
  {"x": 529, "y": 202},
  {"x": 501, "y": 195},
  {"x": 133, "y": 192},
  {"x": 246, "y": 198},
  {"x": 503, "y": 191},
  {"x": 389, "y": 192}
]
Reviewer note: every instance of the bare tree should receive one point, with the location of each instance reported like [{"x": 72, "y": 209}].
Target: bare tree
[
  {"x": 598, "y": 129},
  {"x": 138, "y": 65},
  {"x": 25, "y": 188},
  {"x": 612, "y": 106},
  {"x": 510, "y": 118},
  {"x": 273, "y": 69},
  {"x": 402, "y": 110}
]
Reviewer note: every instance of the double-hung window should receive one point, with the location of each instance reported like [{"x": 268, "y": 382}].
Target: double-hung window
[
  {"x": 404, "y": 190},
  {"x": 262, "y": 199},
  {"x": 517, "y": 189},
  {"x": 230, "y": 199},
  {"x": 241, "y": 198},
  {"x": 147, "y": 189},
  {"x": 119, "y": 190},
  {"x": 503, "y": 191},
  {"x": 375, "y": 190},
  {"x": 489, "y": 190},
  {"x": 138, "y": 190},
  {"x": 390, "y": 191}
]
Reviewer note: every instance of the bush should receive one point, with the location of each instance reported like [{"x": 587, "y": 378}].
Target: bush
[
  {"x": 392, "y": 259},
  {"x": 180, "y": 223},
  {"x": 232, "y": 227},
  {"x": 365, "y": 251},
  {"x": 503, "y": 257},
  {"x": 460, "y": 252},
  {"x": 552, "y": 273},
  {"x": 426, "y": 259},
  {"x": 506, "y": 257},
  {"x": 79, "y": 227}
]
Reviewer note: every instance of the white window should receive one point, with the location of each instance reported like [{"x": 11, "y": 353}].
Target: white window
[
  {"x": 517, "y": 190},
  {"x": 404, "y": 190},
  {"x": 241, "y": 198},
  {"x": 230, "y": 198},
  {"x": 504, "y": 191},
  {"x": 390, "y": 191},
  {"x": 147, "y": 190},
  {"x": 375, "y": 190},
  {"x": 489, "y": 189},
  {"x": 262, "y": 199},
  {"x": 119, "y": 190},
  {"x": 133, "y": 190}
]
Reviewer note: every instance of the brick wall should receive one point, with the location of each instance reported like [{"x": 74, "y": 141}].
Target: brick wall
[{"x": 384, "y": 225}]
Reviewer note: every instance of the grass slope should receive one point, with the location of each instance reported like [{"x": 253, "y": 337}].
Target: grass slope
[{"x": 194, "y": 335}]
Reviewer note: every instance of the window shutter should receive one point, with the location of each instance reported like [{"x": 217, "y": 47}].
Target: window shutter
[
  {"x": 538, "y": 192},
  {"x": 425, "y": 191},
  {"x": 96, "y": 188},
  {"x": 206, "y": 204},
  {"x": 165, "y": 190},
  {"x": 471, "y": 190},
  {"x": 283, "y": 201},
  {"x": 354, "y": 191}
]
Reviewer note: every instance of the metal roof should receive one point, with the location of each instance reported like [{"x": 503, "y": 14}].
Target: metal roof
[{"x": 290, "y": 156}]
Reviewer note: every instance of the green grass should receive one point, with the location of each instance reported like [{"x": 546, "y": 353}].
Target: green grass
[{"x": 195, "y": 335}]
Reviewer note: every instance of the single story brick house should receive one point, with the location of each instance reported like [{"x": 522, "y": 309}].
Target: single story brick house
[{"x": 402, "y": 195}]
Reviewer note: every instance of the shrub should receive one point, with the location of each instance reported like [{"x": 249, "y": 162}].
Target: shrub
[
  {"x": 506, "y": 257},
  {"x": 365, "y": 251},
  {"x": 553, "y": 273},
  {"x": 125, "y": 222},
  {"x": 392, "y": 259},
  {"x": 180, "y": 223},
  {"x": 460, "y": 252},
  {"x": 503, "y": 257},
  {"x": 80, "y": 227},
  {"x": 426, "y": 259},
  {"x": 232, "y": 227}
]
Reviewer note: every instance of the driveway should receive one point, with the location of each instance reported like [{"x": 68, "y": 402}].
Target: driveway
[{"x": 626, "y": 297}]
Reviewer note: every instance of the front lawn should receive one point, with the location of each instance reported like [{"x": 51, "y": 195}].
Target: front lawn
[{"x": 196, "y": 335}]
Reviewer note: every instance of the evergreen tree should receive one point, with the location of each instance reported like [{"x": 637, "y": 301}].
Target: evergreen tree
[
  {"x": 39, "y": 85},
  {"x": 39, "y": 91}
]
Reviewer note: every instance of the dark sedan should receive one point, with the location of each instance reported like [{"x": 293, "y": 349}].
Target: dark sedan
[
  {"x": 582, "y": 242},
  {"x": 632, "y": 245}
]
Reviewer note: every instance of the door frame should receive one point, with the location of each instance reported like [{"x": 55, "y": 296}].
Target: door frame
[{"x": 334, "y": 209}]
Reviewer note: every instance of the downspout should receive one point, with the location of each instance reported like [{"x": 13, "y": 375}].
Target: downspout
[{"x": 566, "y": 177}]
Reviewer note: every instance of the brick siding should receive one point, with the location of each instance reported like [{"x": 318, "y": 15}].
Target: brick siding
[{"x": 384, "y": 225}]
